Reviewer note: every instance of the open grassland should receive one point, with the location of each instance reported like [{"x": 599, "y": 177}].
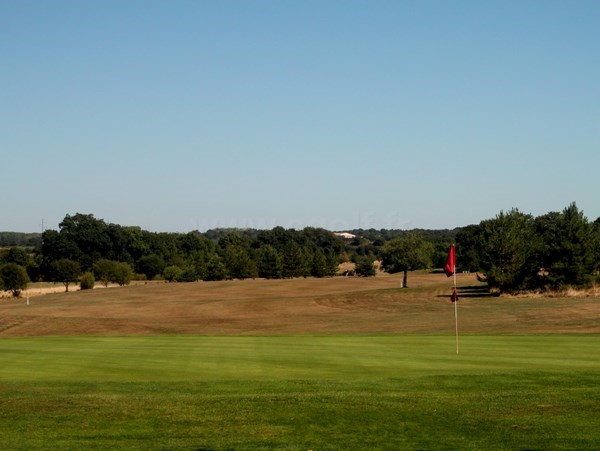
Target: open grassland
[
  {"x": 343, "y": 363},
  {"x": 301, "y": 306}
]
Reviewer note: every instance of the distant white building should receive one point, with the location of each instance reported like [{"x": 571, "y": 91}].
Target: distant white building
[{"x": 345, "y": 235}]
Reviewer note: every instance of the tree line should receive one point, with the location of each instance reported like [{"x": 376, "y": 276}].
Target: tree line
[
  {"x": 516, "y": 251},
  {"x": 511, "y": 252},
  {"x": 84, "y": 244}
]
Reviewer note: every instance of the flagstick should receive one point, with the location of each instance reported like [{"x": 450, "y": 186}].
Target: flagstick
[{"x": 456, "y": 311}]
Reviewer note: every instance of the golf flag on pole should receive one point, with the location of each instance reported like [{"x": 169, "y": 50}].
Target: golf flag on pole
[
  {"x": 450, "y": 262},
  {"x": 450, "y": 269}
]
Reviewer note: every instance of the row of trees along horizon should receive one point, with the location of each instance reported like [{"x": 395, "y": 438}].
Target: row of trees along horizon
[{"x": 512, "y": 252}]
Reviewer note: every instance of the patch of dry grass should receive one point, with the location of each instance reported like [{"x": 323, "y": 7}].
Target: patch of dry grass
[{"x": 339, "y": 305}]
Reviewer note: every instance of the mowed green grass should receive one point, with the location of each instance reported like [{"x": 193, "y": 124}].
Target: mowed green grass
[{"x": 301, "y": 392}]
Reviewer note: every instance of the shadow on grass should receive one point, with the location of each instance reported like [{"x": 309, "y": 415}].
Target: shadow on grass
[{"x": 473, "y": 291}]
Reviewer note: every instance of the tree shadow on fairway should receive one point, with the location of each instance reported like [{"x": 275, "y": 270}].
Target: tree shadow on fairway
[{"x": 472, "y": 291}]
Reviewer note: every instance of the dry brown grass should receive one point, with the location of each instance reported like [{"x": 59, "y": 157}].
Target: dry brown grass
[{"x": 340, "y": 305}]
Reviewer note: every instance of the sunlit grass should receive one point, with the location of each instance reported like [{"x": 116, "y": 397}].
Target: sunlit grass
[{"x": 291, "y": 392}]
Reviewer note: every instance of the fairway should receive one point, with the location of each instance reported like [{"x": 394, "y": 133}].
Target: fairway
[
  {"x": 339, "y": 305},
  {"x": 343, "y": 363},
  {"x": 319, "y": 392}
]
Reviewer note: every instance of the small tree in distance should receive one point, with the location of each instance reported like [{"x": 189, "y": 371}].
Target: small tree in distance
[
  {"x": 171, "y": 273},
  {"x": 104, "y": 271},
  {"x": 13, "y": 278},
  {"x": 406, "y": 253},
  {"x": 66, "y": 271},
  {"x": 122, "y": 274},
  {"x": 365, "y": 267}
]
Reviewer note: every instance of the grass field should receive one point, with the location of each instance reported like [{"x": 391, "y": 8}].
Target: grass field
[{"x": 374, "y": 367}]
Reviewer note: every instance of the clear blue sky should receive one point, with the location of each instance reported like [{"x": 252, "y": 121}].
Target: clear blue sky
[{"x": 183, "y": 115}]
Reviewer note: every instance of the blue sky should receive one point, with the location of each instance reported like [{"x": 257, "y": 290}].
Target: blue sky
[{"x": 183, "y": 115}]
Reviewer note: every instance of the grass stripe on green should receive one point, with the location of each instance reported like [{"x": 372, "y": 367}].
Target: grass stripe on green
[{"x": 308, "y": 392}]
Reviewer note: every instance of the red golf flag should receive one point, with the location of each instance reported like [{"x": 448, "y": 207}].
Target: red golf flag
[
  {"x": 450, "y": 262},
  {"x": 454, "y": 296}
]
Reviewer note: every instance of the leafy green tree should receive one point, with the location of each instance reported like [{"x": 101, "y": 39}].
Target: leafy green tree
[
  {"x": 90, "y": 237},
  {"x": 468, "y": 245},
  {"x": 319, "y": 238},
  {"x": 104, "y": 270},
  {"x": 198, "y": 262},
  {"x": 171, "y": 273},
  {"x": 18, "y": 239},
  {"x": 56, "y": 246},
  {"x": 293, "y": 260},
  {"x": 215, "y": 268},
  {"x": 269, "y": 262},
  {"x": 596, "y": 246},
  {"x": 194, "y": 242},
  {"x": 365, "y": 266},
  {"x": 239, "y": 263},
  {"x": 150, "y": 265},
  {"x": 188, "y": 274},
  {"x": 568, "y": 247},
  {"x": 319, "y": 266},
  {"x": 123, "y": 274},
  {"x": 17, "y": 255},
  {"x": 13, "y": 278},
  {"x": 405, "y": 253},
  {"x": 333, "y": 262},
  {"x": 66, "y": 271},
  {"x": 509, "y": 251}
]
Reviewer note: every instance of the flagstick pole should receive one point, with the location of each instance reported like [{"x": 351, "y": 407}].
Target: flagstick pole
[{"x": 456, "y": 311}]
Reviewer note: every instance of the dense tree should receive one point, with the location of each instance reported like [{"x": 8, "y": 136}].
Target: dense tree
[
  {"x": 238, "y": 262},
  {"x": 596, "y": 246},
  {"x": 198, "y": 262},
  {"x": 188, "y": 274},
  {"x": 194, "y": 242},
  {"x": 13, "y": 278},
  {"x": 293, "y": 260},
  {"x": 104, "y": 270},
  {"x": 123, "y": 274},
  {"x": 18, "y": 239},
  {"x": 319, "y": 266},
  {"x": 66, "y": 271},
  {"x": 269, "y": 262},
  {"x": 150, "y": 265},
  {"x": 365, "y": 266},
  {"x": 568, "y": 247},
  {"x": 215, "y": 268},
  {"x": 567, "y": 251},
  {"x": 509, "y": 251},
  {"x": 90, "y": 236},
  {"x": 406, "y": 253},
  {"x": 56, "y": 246},
  {"x": 111, "y": 271},
  {"x": 468, "y": 245},
  {"x": 16, "y": 255}
]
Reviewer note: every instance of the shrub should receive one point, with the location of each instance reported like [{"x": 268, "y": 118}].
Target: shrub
[
  {"x": 187, "y": 275},
  {"x": 171, "y": 273},
  {"x": 365, "y": 267},
  {"x": 87, "y": 281}
]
